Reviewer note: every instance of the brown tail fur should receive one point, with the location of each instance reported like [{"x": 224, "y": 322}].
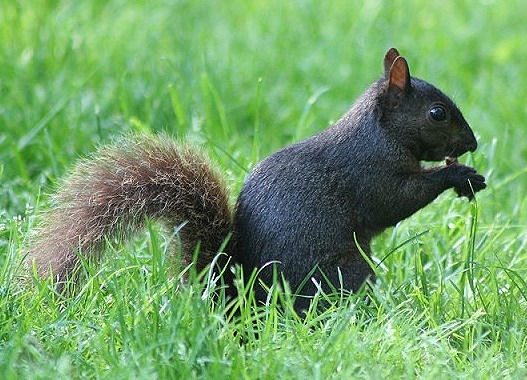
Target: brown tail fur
[{"x": 112, "y": 194}]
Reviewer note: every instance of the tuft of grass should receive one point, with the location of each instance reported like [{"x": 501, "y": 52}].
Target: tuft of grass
[{"x": 244, "y": 79}]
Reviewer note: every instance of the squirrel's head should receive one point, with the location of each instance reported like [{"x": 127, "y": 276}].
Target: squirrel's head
[{"x": 420, "y": 116}]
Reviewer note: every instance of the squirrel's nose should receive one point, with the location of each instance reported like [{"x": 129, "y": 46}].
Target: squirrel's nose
[
  {"x": 469, "y": 139},
  {"x": 472, "y": 146}
]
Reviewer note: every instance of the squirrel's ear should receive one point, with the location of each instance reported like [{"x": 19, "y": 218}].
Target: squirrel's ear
[
  {"x": 389, "y": 58},
  {"x": 399, "y": 74}
]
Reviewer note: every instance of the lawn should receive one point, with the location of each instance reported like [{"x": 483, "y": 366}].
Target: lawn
[{"x": 243, "y": 79}]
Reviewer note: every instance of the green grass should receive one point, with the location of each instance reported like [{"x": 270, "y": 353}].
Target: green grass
[{"x": 244, "y": 79}]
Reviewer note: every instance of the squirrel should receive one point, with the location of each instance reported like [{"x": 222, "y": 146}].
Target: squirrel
[{"x": 311, "y": 208}]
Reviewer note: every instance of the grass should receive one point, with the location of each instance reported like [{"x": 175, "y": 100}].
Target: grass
[{"x": 244, "y": 79}]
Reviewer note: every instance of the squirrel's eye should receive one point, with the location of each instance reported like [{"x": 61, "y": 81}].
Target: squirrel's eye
[{"x": 438, "y": 113}]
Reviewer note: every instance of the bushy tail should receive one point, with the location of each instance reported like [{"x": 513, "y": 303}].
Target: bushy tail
[{"x": 112, "y": 194}]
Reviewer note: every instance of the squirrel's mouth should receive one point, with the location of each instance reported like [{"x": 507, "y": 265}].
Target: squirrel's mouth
[
  {"x": 442, "y": 154},
  {"x": 449, "y": 160},
  {"x": 448, "y": 148}
]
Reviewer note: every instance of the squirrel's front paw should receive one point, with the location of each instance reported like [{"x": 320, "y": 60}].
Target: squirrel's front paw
[{"x": 466, "y": 180}]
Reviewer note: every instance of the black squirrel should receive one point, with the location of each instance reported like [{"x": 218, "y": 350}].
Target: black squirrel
[{"x": 306, "y": 208}]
